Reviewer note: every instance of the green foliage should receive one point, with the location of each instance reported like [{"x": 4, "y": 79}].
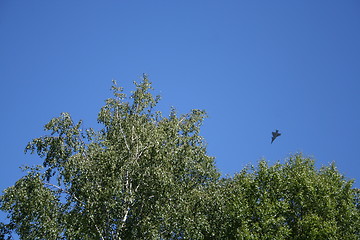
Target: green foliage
[
  {"x": 132, "y": 179},
  {"x": 287, "y": 201},
  {"x": 146, "y": 176}
]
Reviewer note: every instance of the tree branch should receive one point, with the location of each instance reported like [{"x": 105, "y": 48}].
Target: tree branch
[{"x": 72, "y": 195}]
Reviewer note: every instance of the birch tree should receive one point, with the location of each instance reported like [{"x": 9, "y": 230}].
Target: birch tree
[{"x": 130, "y": 180}]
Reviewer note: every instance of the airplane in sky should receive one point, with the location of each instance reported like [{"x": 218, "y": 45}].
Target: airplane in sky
[{"x": 275, "y": 135}]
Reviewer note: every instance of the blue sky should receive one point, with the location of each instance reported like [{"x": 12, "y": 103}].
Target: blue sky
[{"x": 254, "y": 66}]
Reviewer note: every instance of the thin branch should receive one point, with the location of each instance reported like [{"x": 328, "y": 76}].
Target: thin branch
[
  {"x": 67, "y": 192},
  {"x": 123, "y": 134},
  {"x": 62, "y": 190}
]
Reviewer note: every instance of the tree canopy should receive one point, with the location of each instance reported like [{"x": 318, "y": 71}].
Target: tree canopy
[{"x": 148, "y": 176}]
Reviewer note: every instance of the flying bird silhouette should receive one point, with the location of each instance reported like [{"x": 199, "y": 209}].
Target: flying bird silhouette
[{"x": 275, "y": 135}]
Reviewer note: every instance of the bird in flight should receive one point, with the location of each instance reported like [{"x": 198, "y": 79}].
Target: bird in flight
[{"x": 275, "y": 135}]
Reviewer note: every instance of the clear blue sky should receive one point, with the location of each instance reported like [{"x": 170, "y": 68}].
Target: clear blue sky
[{"x": 255, "y": 66}]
